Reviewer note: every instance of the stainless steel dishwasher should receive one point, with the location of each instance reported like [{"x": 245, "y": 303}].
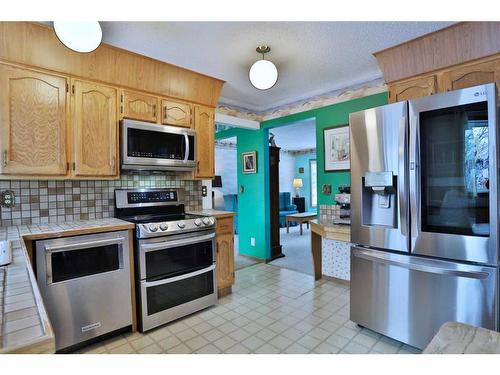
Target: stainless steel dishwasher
[{"x": 85, "y": 284}]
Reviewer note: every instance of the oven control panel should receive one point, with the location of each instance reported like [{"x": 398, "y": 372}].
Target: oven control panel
[
  {"x": 160, "y": 196},
  {"x": 173, "y": 227}
]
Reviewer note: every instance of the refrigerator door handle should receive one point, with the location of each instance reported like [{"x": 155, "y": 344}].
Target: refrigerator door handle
[
  {"x": 419, "y": 265},
  {"x": 414, "y": 176},
  {"x": 402, "y": 150}
]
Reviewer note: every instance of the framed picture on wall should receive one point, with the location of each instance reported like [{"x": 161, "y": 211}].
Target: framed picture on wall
[
  {"x": 249, "y": 162},
  {"x": 336, "y": 141}
]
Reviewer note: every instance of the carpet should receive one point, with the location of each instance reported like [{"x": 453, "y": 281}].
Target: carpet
[{"x": 297, "y": 250}]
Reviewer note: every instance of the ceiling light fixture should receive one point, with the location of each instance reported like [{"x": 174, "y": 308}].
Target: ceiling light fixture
[
  {"x": 263, "y": 73},
  {"x": 79, "y": 36}
]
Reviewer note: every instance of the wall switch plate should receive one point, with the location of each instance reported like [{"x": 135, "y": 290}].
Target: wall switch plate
[
  {"x": 252, "y": 241},
  {"x": 204, "y": 191}
]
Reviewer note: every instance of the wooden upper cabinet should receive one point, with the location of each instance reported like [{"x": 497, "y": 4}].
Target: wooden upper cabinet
[
  {"x": 205, "y": 133},
  {"x": 471, "y": 75},
  {"x": 415, "y": 88},
  {"x": 176, "y": 113},
  {"x": 33, "y": 118},
  {"x": 95, "y": 129},
  {"x": 225, "y": 260},
  {"x": 138, "y": 106}
]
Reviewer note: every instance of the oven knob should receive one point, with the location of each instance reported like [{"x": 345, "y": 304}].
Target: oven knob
[
  {"x": 153, "y": 227},
  {"x": 163, "y": 226},
  {"x": 211, "y": 220},
  {"x": 197, "y": 222},
  {"x": 206, "y": 221},
  {"x": 181, "y": 224}
]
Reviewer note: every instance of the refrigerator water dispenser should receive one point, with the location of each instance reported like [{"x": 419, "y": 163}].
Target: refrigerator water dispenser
[{"x": 379, "y": 199}]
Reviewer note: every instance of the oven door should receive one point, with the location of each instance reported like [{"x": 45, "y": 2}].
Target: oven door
[
  {"x": 157, "y": 147},
  {"x": 174, "y": 297},
  {"x": 175, "y": 255}
]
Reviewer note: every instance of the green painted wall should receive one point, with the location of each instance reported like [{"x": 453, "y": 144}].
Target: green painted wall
[
  {"x": 333, "y": 115},
  {"x": 253, "y": 204}
]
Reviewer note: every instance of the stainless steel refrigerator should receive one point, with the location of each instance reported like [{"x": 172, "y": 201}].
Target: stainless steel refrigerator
[{"x": 424, "y": 214}]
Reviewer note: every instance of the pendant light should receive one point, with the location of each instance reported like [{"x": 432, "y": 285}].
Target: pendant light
[
  {"x": 79, "y": 36},
  {"x": 263, "y": 73}
]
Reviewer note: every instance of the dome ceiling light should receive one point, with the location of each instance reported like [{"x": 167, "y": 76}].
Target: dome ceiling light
[
  {"x": 263, "y": 73},
  {"x": 79, "y": 36}
]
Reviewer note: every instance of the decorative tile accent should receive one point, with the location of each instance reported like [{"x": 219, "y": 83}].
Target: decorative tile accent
[
  {"x": 336, "y": 259},
  {"x": 41, "y": 202},
  {"x": 329, "y": 212}
]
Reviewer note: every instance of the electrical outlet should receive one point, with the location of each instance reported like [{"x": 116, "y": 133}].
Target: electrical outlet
[{"x": 252, "y": 241}]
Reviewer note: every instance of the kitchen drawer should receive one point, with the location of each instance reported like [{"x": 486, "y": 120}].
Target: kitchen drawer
[{"x": 224, "y": 225}]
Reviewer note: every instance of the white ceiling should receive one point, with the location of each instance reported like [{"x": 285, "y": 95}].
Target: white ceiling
[
  {"x": 312, "y": 57},
  {"x": 300, "y": 135}
]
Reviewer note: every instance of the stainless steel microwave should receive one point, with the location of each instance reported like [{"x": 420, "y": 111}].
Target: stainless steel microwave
[{"x": 148, "y": 146}]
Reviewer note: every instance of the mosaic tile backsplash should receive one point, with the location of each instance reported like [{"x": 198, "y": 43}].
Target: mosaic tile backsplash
[
  {"x": 329, "y": 212},
  {"x": 39, "y": 202}
]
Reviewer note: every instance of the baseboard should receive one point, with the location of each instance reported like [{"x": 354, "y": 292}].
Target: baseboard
[{"x": 336, "y": 280}]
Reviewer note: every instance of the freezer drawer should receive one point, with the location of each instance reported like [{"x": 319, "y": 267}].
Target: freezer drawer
[{"x": 408, "y": 298}]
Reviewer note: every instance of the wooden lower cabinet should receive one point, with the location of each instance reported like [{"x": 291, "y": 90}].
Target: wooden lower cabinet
[
  {"x": 33, "y": 122},
  {"x": 225, "y": 255},
  {"x": 95, "y": 129},
  {"x": 415, "y": 88}
]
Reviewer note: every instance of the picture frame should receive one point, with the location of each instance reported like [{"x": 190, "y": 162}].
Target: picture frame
[
  {"x": 336, "y": 148},
  {"x": 249, "y": 162}
]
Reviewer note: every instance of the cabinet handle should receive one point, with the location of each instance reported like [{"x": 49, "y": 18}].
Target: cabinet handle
[
  {"x": 165, "y": 113},
  {"x": 154, "y": 110},
  {"x": 5, "y": 155},
  {"x": 113, "y": 162},
  {"x": 198, "y": 166}
]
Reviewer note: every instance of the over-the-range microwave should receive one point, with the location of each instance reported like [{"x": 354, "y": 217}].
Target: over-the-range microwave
[{"x": 157, "y": 147}]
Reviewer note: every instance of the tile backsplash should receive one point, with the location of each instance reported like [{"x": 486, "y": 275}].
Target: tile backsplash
[
  {"x": 329, "y": 212},
  {"x": 39, "y": 202}
]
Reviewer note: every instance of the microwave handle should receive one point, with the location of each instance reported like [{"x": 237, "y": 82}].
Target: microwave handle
[{"x": 186, "y": 139}]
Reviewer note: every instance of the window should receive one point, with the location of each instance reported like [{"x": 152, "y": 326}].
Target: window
[{"x": 313, "y": 179}]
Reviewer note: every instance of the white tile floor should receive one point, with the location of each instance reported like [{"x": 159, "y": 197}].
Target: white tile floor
[{"x": 271, "y": 310}]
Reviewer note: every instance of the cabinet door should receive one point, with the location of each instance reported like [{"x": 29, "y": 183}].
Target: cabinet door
[
  {"x": 225, "y": 260},
  {"x": 138, "y": 106},
  {"x": 415, "y": 88},
  {"x": 32, "y": 122},
  {"x": 176, "y": 113},
  {"x": 472, "y": 75},
  {"x": 95, "y": 128},
  {"x": 204, "y": 126}
]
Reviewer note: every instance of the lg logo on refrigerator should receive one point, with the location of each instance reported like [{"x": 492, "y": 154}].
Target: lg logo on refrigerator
[{"x": 477, "y": 93}]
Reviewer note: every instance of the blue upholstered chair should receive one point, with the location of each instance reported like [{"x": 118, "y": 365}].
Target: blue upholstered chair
[
  {"x": 231, "y": 204},
  {"x": 286, "y": 208}
]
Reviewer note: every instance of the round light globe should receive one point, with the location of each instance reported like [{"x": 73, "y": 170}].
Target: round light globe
[
  {"x": 263, "y": 74},
  {"x": 79, "y": 36}
]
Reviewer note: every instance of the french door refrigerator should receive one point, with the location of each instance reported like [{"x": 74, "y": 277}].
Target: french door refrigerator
[{"x": 424, "y": 214}]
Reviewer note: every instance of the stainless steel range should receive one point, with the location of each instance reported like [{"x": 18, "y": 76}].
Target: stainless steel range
[{"x": 174, "y": 254}]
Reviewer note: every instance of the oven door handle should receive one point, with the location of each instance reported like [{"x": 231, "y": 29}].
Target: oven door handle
[
  {"x": 186, "y": 155},
  {"x": 168, "y": 244},
  {"x": 179, "y": 278},
  {"x": 83, "y": 245}
]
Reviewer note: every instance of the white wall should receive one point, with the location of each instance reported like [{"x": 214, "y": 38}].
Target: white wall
[
  {"x": 226, "y": 167},
  {"x": 287, "y": 172}
]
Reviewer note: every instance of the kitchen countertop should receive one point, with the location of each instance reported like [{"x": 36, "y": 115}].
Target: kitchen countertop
[
  {"x": 24, "y": 323},
  {"x": 459, "y": 338},
  {"x": 212, "y": 212},
  {"x": 328, "y": 230}
]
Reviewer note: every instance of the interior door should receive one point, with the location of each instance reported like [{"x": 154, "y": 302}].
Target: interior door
[
  {"x": 379, "y": 189},
  {"x": 453, "y": 178}
]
